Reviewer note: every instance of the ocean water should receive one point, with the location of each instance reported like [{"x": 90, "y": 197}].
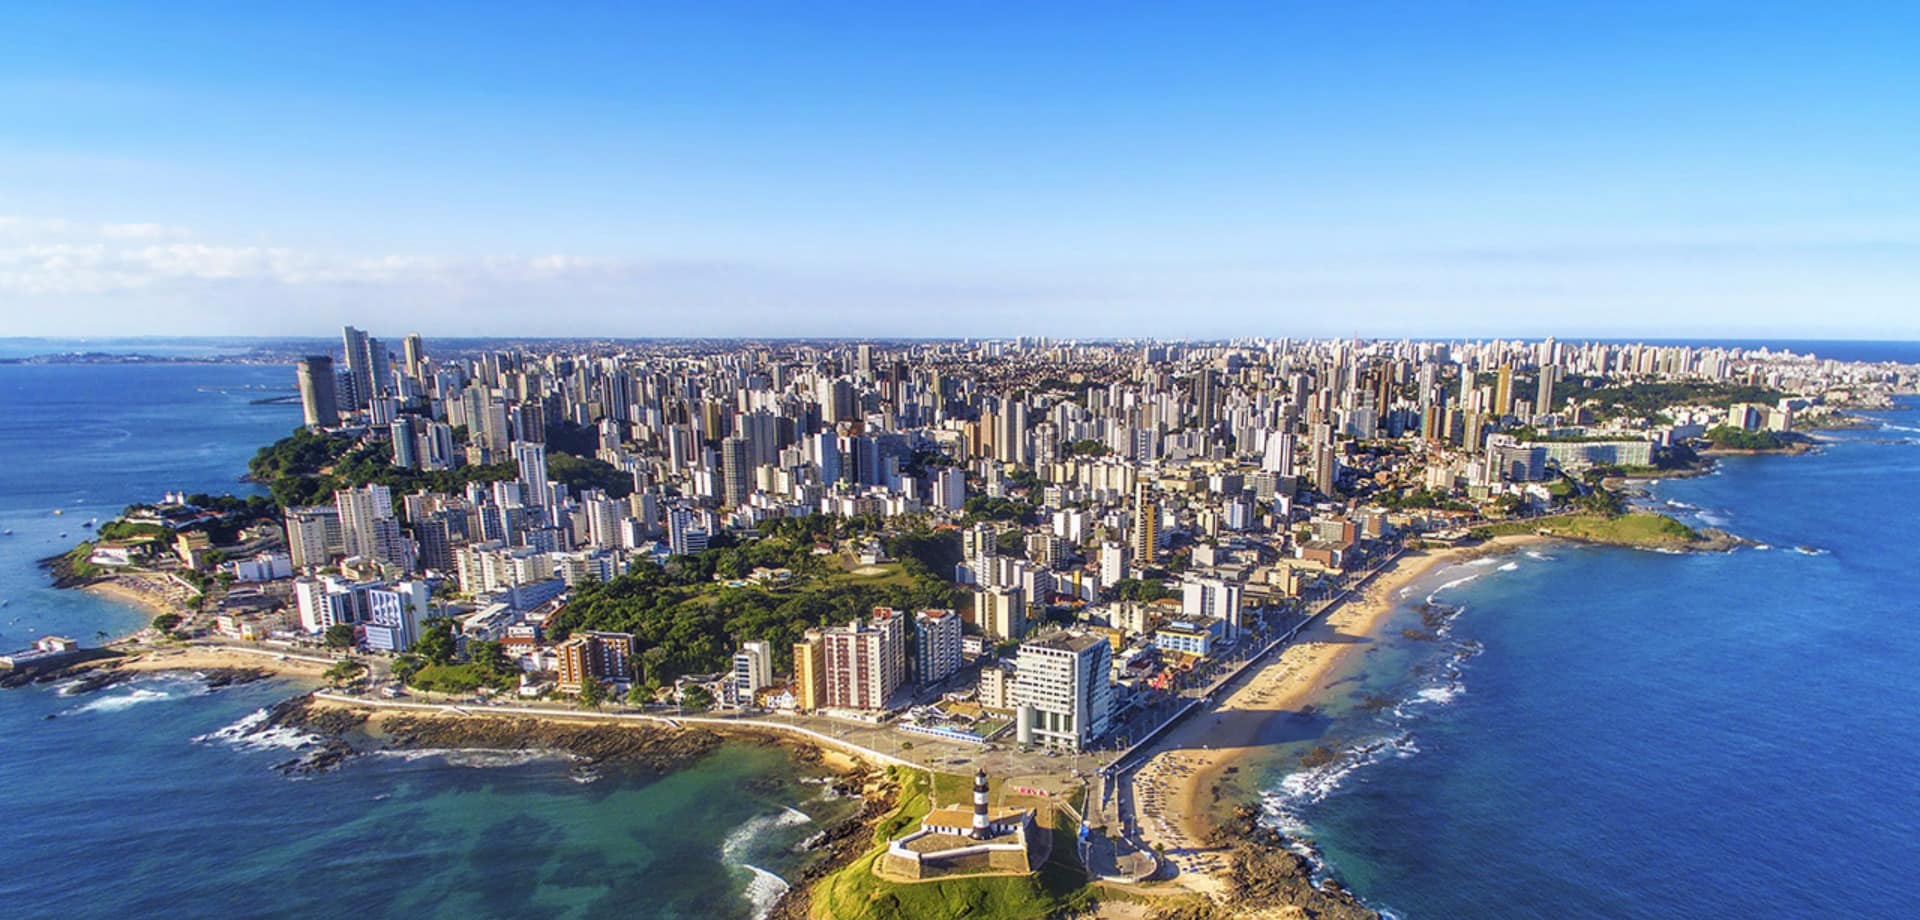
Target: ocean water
[
  {"x": 130, "y": 803},
  {"x": 1602, "y": 732}
]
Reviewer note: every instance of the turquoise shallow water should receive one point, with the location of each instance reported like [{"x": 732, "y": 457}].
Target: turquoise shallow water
[
  {"x": 123, "y": 806},
  {"x": 1616, "y": 733}
]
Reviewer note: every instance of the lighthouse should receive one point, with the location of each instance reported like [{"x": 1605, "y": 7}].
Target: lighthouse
[{"x": 980, "y": 805}]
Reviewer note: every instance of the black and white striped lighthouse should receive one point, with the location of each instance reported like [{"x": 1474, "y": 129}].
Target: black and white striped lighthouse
[{"x": 980, "y": 805}]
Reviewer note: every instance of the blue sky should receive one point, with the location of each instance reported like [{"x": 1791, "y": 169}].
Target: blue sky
[{"x": 960, "y": 168}]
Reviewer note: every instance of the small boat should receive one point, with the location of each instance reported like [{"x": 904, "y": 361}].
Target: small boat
[
  {"x": 59, "y": 511},
  {"x": 63, "y": 535},
  {"x": 9, "y": 532}
]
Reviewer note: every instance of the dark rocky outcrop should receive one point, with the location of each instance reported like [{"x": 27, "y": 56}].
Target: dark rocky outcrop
[
  {"x": 346, "y": 731},
  {"x": 1267, "y": 875},
  {"x": 75, "y": 665},
  {"x": 844, "y": 842},
  {"x": 644, "y": 746}
]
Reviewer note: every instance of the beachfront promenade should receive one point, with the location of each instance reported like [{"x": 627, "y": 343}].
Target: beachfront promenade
[{"x": 1116, "y": 801}]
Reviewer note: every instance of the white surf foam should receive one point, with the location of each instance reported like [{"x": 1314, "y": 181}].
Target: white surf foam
[
  {"x": 1539, "y": 556},
  {"x": 475, "y": 758},
  {"x": 1441, "y": 695},
  {"x": 763, "y": 891},
  {"x": 143, "y": 690},
  {"x": 247, "y": 734},
  {"x": 119, "y": 702},
  {"x": 1509, "y": 567},
  {"x": 734, "y": 847},
  {"x": 1450, "y": 585}
]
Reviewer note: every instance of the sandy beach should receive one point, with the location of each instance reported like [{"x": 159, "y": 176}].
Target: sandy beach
[
  {"x": 1174, "y": 788},
  {"x": 204, "y": 657},
  {"x": 154, "y": 593}
]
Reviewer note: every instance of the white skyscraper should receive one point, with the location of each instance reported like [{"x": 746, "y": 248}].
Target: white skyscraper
[{"x": 532, "y": 458}]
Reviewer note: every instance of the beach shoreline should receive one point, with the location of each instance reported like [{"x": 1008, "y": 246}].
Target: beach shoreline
[
  {"x": 130, "y": 591},
  {"x": 1184, "y": 775}
]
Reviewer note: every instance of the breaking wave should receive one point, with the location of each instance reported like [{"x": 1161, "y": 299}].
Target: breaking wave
[
  {"x": 763, "y": 890},
  {"x": 250, "y": 734},
  {"x": 734, "y": 847},
  {"x": 143, "y": 690},
  {"x": 1450, "y": 585},
  {"x": 475, "y": 758}
]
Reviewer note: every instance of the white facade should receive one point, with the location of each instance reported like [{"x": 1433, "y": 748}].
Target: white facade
[
  {"x": 936, "y": 645},
  {"x": 1063, "y": 690}
]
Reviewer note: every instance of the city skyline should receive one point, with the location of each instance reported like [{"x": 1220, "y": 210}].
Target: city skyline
[{"x": 1717, "y": 171}]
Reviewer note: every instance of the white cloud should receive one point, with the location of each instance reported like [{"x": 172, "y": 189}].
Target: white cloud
[{"x": 50, "y": 256}]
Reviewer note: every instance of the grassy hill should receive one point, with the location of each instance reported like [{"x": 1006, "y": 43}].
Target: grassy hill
[{"x": 855, "y": 891}]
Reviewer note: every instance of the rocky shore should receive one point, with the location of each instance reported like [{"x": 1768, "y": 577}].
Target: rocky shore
[
  {"x": 844, "y": 842},
  {"x": 342, "y": 732},
  {"x": 1269, "y": 879},
  {"x": 70, "y": 666}
]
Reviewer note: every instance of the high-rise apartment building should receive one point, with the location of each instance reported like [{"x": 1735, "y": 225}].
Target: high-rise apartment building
[
  {"x": 865, "y": 663},
  {"x": 531, "y": 457},
  {"x": 936, "y": 645},
  {"x": 607, "y": 657},
  {"x": 319, "y": 402},
  {"x": 810, "y": 671},
  {"x": 1146, "y": 526}
]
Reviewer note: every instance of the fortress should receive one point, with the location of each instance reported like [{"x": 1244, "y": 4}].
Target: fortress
[{"x": 957, "y": 840}]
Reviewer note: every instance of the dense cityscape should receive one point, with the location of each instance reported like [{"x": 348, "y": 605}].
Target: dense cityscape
[{"x": 1029, "y": 558}]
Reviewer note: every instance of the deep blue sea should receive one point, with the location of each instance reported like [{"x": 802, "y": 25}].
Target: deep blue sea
[
  {"x": 1617, "y": 733},
  {"x": 125, "y": 805}
]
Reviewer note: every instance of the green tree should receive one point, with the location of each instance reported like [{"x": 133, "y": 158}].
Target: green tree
[
  {"x": 592, "y": 693},
  {"x": 436, "y": 643},
  {"x": 344, "y": 671},
  {"x": 696, "y": 698},
  {"x": 166, "y": 622},
  {"x": 639, "y": 695},
  {"x": 490, "y": 657},
  {"x": 339, "y": 635}
]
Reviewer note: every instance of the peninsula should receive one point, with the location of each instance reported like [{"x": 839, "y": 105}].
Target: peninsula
[{"x": 1093, "y": 574}]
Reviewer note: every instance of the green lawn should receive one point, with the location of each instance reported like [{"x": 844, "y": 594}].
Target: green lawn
[
  {"x": 854, "y": 891},
  {"x": 1639, "y": 528}
]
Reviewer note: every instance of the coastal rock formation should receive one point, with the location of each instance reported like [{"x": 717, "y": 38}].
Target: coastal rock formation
[
  {"x": 643, "y": 746},
  {"x": 78, "y": 664},
  {"x": 1268, "y": 879},
  {"x": 64, "y": 572},
  {"x": 844, "y": 841},
  {"x": 345, "y": 731}
]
